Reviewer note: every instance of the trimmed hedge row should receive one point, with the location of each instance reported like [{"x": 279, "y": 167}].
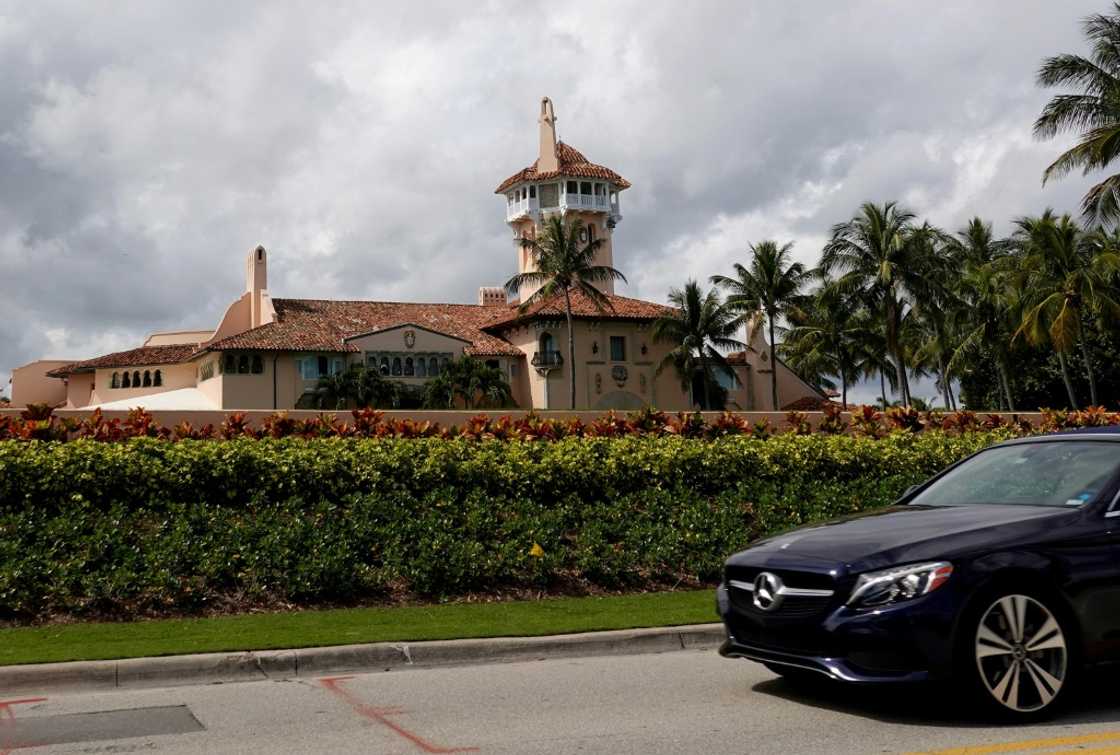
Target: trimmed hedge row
[{"x": 145, "y": 526}]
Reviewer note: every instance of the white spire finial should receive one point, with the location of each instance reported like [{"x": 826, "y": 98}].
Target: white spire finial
[{"x": 547, "y": 160}]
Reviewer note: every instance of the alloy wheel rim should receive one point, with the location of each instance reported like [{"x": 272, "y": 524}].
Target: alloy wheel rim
[{"x": 1021, "y": 653}]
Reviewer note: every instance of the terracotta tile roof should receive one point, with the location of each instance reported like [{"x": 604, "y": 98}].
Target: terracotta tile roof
[
  {"x": 807, "y": 404},
  {"x": 141, "y": 357},
  {"x": 572, "y": 163},
  {"x": 324, "y": 325},
  {"x": 622, "y": 308}
]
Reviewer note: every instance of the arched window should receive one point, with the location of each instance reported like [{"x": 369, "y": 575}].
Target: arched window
[
  {"x": 147, "y": 378},
  {"x": 127, "y": 381},
  {"x": 421, "y": 367},
  {"x": 547, "y": 344},
  {"x": 397, "y": 366},
  {"x": 409, "y": 368},
  {"x": 136, "y": 379},
  {"x": 158, "y": 378},
  {"x": 230, "y": 363},
  {"x": 433, "y": 367},
  {"x": 243, "y": 364},
  {"x": 443, "y": 364},
  {"x": 384, "y": 366},
  {"x": 116, "y": 381},
  {"x": 258, "y": 364}
]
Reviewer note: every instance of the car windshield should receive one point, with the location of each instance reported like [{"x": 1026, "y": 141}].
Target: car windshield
[{"x": 1056, "y": 473}]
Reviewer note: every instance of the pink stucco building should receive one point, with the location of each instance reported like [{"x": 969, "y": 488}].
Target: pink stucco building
[{"x": 269, "y": 353}]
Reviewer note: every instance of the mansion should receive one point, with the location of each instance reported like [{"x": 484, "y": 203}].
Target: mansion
[{"x": 269, "y": 353}]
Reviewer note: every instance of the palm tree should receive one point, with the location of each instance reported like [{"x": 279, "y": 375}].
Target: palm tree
[
  {"x": 827, "y": 335},
  {"x": 470, "y": 381},
  {"x": 1066, "y": 275},
  {"x": 700, "y": 330},
  {"x": 564, "y": 264},
  {"x": 879, "y": 252},
  {"x": 770, "y": 286},
  {"x": 1092, "y": 111},
  {"x": 931, "y": 330},
  {"x": 336, "y": 391}
]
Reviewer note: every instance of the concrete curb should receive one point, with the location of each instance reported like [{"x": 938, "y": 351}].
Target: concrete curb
[{"x": 251, "y": 666}]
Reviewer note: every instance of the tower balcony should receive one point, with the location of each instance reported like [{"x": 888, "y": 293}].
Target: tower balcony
[
  {"x": 535, "y": 200},
  {"x": 522, "y": 208}
]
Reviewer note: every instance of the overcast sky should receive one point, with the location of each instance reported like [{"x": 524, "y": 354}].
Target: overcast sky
[{"x": 145, "y": 147}]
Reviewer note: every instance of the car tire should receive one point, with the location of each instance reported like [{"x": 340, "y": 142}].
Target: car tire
[{"x": 1017, "y": 653}]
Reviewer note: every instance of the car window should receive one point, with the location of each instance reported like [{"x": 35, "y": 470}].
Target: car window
[{"x": 1056, "y": 473}]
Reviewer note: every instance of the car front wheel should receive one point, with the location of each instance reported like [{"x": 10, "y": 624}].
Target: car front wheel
[{"x": 1020, "y": 654}]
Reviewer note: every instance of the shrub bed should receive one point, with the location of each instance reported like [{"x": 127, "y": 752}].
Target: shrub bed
[{"x": 143, "y": 526}]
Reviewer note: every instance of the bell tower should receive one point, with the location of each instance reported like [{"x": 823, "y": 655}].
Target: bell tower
[{"x": 562, "y": 182}]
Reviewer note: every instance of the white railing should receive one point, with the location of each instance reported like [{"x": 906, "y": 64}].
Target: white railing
[
  {"x": 531, "y": 205},
  {"x": 521, "y": 207}
]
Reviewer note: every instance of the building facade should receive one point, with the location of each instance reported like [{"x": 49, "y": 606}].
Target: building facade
[{"x": 268, "y": 353}]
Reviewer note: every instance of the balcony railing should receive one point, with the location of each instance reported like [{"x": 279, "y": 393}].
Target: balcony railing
[
  {"x": 521, "y": 207},
  {"x": 585, "y": 202},
  {"x": 549, "y": 360}
]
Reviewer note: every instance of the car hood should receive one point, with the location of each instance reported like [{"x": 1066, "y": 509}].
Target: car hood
[{"x": 899, "y": 534}]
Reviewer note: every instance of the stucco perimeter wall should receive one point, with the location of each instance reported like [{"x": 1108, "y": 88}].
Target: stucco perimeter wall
[{"x": 447, "y": 418}]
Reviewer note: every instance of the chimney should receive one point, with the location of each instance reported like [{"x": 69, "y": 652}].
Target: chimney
[
  {"x": 547, "y": 160},
  {"x": 256, "y": 284}
]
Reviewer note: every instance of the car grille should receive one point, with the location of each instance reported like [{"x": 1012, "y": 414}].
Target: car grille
[{"x": 791, "y": 607}]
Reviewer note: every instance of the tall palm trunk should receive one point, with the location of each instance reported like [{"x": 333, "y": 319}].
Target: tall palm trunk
[
  {"x": 895, "y": 350},
  {"x": 571, "y": 350},
  {"x": 843, "y": 387},
  {"x": 773, "y": 365},
  {"x": 707, "y": 406},
  {"x": 944, "y": 377},
  {"x": 1067, "y": 381},
  {"x": 883, "y": 387},
  {"x": 900, "y": 371},
  {"x": 1005, "y": 383},
  {"x": 1089, "y": 370}
]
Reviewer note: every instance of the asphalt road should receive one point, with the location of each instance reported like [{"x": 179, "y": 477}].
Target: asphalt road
[{"x": 679, "y": 702}]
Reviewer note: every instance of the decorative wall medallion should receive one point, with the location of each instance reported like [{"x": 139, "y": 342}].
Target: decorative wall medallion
[
  {"x": 409, "y": 338},
  {"x": 642, "y": 383},
  {"x": 765, "y": 356},
  {"x": 644, "y": 349},
  {"x": 594, "y": 347},
  {"x": 619, "y": 375},
  {"x": 598, "y": 383}
]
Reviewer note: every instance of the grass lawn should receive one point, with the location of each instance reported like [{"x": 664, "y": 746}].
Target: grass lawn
[{"x": 270, "y": 631}]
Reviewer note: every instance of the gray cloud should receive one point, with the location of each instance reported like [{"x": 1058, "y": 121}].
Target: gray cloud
[{"x": 143, "y": 150}]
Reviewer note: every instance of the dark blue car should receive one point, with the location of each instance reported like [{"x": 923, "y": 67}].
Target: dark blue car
[{"x": 1001, "y": 574}]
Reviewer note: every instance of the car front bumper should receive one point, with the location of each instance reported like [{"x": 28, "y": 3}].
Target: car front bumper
[{"x": 908, "y": 642}]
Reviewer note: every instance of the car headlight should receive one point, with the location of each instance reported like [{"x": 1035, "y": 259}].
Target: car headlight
[{"x": 882, "y": 588}]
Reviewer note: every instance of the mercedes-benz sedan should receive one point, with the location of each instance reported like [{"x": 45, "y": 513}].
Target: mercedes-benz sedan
[{"x": 1001, "y": 574}]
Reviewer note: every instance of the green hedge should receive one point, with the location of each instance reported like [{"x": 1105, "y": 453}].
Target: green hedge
[{"x": 147, "y": 526}]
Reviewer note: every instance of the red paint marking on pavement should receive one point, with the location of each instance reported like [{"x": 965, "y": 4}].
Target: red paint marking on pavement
[
  {"x": 8, "y": 717},
  {"x": 333, "y": 684}
]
